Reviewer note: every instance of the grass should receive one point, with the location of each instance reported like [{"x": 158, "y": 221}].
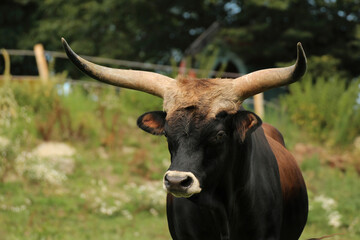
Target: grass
[
  {"x": 114, "y": 191},
  {"x": 332, "y": 191}
]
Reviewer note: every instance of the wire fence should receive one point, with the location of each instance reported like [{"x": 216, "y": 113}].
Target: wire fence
[{"x": 42, "y": 56}]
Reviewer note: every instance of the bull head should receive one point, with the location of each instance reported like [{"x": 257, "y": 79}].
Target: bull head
[{"x": 200, "y": 117}]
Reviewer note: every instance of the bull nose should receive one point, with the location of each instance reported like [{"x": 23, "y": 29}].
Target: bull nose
[
  {"x": 177, "y": 182},
  {"x": 181, "y": 184}
]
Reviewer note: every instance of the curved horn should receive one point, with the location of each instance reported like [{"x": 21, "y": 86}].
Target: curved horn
[
  {"x": 262, "y": 80},
  {"x": 152, "y": 83}
]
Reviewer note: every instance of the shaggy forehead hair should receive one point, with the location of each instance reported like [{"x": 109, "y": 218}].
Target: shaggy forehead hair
[
  {"x": 206, "y": 96},
  {"x": 183, "y": 121}
]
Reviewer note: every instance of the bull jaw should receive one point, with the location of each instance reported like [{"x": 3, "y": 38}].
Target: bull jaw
[{"x": 186, "y": 194}]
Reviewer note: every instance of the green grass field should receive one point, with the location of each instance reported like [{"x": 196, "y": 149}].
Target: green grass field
[{"x": 110, "y": 187}]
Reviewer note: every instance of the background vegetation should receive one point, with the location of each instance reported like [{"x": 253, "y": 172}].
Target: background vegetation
[
  {"x": 99, "y": 177},
  {"x": 73, "y": 164}
]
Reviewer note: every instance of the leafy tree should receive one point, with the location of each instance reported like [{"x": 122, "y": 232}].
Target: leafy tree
[
  {"x": 138, "y": 30},
  {"x": 262, "y": 32},
  {"x": 265, "y": 32},
  {"x": 15, "y": 23}
]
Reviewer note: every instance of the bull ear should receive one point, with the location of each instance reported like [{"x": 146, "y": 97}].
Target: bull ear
[
  {"x": 152, "y": 122},
  {"x": 245, "y": 123}
]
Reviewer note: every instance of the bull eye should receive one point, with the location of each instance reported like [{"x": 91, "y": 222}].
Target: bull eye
[{"x": 220, "y": 136}]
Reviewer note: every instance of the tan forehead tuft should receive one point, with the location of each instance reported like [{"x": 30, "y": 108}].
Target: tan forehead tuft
[{"x": 210, "y": 96}]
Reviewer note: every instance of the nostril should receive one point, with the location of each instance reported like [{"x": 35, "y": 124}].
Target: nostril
[
  {"x": 166, "y": 180},
  {"x": 187, "y": 182}
]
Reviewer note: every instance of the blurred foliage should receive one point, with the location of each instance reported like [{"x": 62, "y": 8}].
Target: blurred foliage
[
  {"x": 8, "y": 106},
  {"x": 324, "y": 104},
  {"x": 114, "y": 189},
  {"x": 266, "y": 32},
  {"x": 137, "y": 30},
  {"x": 60, "y": 111},
  {"x": 105, "y": 187}
]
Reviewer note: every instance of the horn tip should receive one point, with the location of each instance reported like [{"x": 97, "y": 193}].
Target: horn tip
[
  {"x": 63, "y": 41},
  {"x": 300, "y": 47},
  {"x": 301, "y": 63},
  {"x": 301, "y": 52}
]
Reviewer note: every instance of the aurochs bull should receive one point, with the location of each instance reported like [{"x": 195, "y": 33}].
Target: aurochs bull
[{"x": 230, "y": 176}]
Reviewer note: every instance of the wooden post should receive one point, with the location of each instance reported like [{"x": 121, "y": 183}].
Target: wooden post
[
  {"x": 41, "y": 62},
  {"x": 259, "y": 104},
  {"x": 182, "y": 68},
  {"x": 7, "y": 75}
]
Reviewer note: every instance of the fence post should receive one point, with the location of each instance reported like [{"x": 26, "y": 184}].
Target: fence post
[
  {"x": 259, "y": 104},
  {"x": 41, "y": 62},
  {"x": 7, "y": 75}
]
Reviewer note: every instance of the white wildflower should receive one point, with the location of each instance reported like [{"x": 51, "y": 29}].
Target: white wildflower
[
  {"x": 107, "y": 210},
  {"x": 130, "y": 185},
  {"x": 14, "y": 209},
  {"x": 334, "y": 219},
  {"x": 27, "y": 201},
  {"x": 127, "y": 214},
  {"x": 17, "y": 209},
  {"x": 102, "y": 153},
  {"x": 40, "y": 169},
  {"x": 153, "y": 212},
  {"x": 329, "y": 205},
  {"x": 106, "y": 201},
  {"x": 53, "y": 149},
  {"x": 104, "y": 189},
  {"x": 4, "y": 142},
  {"x": 326, "y": 203},
  {"x": 118, "y": 203},
  {"x": 49, "y": 162},
  {"x": 128, "y": 150}
]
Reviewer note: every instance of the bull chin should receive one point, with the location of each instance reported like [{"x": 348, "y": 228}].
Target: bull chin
[{"x": 181, "y": 195}]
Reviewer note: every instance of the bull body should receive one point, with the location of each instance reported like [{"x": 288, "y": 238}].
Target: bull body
[{"x": 251, "y": 185}]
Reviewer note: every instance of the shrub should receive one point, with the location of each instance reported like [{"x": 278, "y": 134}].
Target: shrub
[
  {"x": 8, "y": 106},
  {"x": 326, "y": 109},
  {"x": 325, "y": 103}
]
